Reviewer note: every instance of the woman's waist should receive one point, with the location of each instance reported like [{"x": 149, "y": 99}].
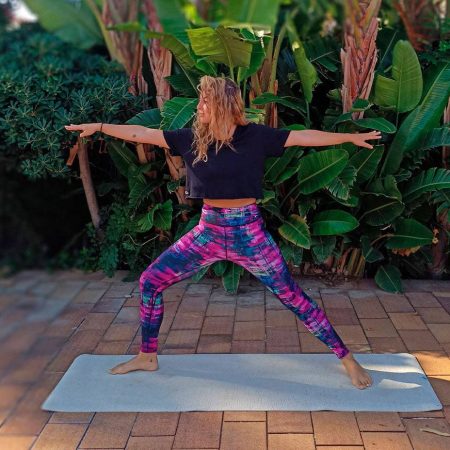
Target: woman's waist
[
  {"x": 229, "y": 203},
  {"x": 230, "y": 216}
]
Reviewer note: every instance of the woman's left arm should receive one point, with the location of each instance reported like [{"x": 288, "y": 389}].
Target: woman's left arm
[{"x": 314, "y": 138}]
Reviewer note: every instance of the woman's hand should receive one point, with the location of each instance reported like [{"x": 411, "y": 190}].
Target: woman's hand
[
  {"x": 86, "y": 128},
  {"x": 360, "y": 139}
]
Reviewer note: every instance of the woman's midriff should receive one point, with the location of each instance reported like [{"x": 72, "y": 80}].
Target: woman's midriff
[{"x": 232, "y": 203}]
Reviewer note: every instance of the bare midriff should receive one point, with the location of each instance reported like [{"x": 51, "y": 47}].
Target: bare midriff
[{"x": 229, "y": 203}]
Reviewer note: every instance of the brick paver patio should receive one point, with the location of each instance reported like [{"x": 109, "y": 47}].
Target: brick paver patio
[{"x": 46, "y": 320}]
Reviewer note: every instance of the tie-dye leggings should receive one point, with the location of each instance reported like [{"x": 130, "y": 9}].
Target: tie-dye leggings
[{"x": 238, "y": 235}]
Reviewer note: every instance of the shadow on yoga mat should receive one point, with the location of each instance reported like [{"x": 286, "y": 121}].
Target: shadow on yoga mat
[{"x": 244, "y": 382}]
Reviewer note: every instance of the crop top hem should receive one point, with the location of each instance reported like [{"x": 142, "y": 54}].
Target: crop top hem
[{"x": 226, "y": 196}]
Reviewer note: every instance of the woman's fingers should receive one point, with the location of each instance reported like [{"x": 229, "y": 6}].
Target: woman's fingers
[
  {"x": 82, "y": 127},
  {"x": 74, "y": 127}
]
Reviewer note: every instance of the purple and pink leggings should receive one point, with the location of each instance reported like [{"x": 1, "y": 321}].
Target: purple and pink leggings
[{"x": 238, "y": 235}]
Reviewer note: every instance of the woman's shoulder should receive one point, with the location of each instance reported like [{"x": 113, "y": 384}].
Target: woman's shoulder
[{"x": 259, "y": 126}]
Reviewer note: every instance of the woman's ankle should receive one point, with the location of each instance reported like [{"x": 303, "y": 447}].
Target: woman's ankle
[
  {"x": 348, "y": 356},
  {"x": 145, "y": 355}
]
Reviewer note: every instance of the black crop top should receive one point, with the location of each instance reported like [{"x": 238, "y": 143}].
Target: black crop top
[{"x": 229, "y": 174}]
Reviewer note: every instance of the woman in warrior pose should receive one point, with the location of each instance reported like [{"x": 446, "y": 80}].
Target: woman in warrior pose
[{"x": 224, "y": 156}]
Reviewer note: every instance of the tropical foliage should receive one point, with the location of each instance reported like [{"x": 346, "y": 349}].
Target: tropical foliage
[{"x": 346, "y": 210}]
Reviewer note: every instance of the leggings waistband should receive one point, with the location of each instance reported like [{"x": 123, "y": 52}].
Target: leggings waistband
[{"x": 240, "y": 215}]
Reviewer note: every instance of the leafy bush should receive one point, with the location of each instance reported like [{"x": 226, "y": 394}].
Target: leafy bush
[{"x": 45, "y": 84}]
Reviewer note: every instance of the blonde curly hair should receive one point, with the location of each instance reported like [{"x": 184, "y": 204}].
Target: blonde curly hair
[{"x": 226, "y": 109}]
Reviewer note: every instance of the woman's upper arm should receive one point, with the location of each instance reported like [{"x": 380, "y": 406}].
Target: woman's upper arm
[
  {"x": 292, "y": 138},
  {"x": 155, "y": 137},
  {"x": 298, "y": 137}
]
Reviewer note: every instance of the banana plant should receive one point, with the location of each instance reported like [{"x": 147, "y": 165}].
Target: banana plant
[
  {"x": 73, "y": 23},
  {"x": 238, "y": 43}
]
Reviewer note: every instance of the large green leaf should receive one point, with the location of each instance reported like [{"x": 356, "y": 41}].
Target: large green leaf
[
  {"x": 257, "y": 14},
  {"x": 221, "y": 45},
  {"x": 144, "y": 222},
  {"x": 122, "y": 157},
  {"x": 139, "y": 189},
  {"x": 442, "y": 200},
  {"x": 307, "y": 71},
  {"x": 219, "y": 267},
  {"x": 183, "y": 83},
  {"x": 403, "y": 91},
  {"x": 332, "y": 222},
  {"x": 178, "y": 49},
  {"x": 322, "y": 247},
  {"x": 383, "y": 201},
  {"x": 257, "y": 57},
  {"x": 273, "y": 207},
  {"x": 163, "y": 215},
  {"x": 159, "y": 216},
  {"x": 71, "y": 22},
  {"x": 352, "y": 201},
  {"x": 177, "y": 112},
  {"x": 274, "y": 167},
  {"x": 319, "y": 169},
  {"x": 288, "y": 173},
  {"x": 340, "y": 186},
  {"x": 370, "y": 253},
  {"x": 323, "y": 50},
  {"x": 376, "y": 123},
  {"x": 385, "y": 187},
  {"x": 409, "y": 233},
  {"x": 172, "y": 18},
  {"x": 291, "y": 253},
  {"x": 150, "y": 118},
  {"x": 437, "y": 137},
  {"x": 182, "y": 52},
  {"x": 373, "y": 123},
  {"x": 422, "y": 120},
  {"x": 200, "y": 274},
  {"x": 427, "y": 181},
  {"x": 295, "y": 230},
  {"x": 365, "y": 161},
  {"x": 388, "y": 278},
  {"x": 231, "y": 277},
  {"x": 381, "y": 210}
]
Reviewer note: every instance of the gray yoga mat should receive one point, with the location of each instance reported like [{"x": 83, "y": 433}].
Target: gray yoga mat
[{"x": 243, "y": 382}]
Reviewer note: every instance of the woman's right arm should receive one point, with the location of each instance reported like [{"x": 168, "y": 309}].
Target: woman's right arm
[{"x": 134, "y": 133}]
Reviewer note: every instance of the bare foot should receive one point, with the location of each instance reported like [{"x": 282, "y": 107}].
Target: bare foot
[
  {"x": 359, "y": 376},
  {"x": 142, "y": 361}
]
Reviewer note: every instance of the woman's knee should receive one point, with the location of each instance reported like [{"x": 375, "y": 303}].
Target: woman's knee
[{"x": 147, "y": 282}]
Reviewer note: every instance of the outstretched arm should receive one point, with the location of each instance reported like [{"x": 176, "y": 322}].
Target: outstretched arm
[
  {"x": 314, "y": 138},
  {"x": 134, "y": 133}
]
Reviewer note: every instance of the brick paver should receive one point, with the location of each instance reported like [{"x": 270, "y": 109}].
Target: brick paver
[
  {"x": 248, "y": 435},
  {"x": 109, "y": 430},
  {"x": 47, "y": 320},
  {"x": 335, "y": 428},
  {"x": 58, "y": 436}
]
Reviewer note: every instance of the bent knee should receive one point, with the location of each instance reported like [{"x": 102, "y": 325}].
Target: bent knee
[{"x": 147, "y": 282}]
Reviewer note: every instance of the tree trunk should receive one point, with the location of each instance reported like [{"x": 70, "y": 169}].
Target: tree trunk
[
  {"x": 88, "y": 186},
  {"x": 359, "y": 55}
]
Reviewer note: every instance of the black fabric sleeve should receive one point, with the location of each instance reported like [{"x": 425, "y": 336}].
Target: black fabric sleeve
[
  {"x": 274, "y": 140},
  {"x": 179, "y": 141}
]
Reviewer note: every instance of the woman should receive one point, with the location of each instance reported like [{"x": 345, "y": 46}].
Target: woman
[{"x": 224, "y": 156}]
